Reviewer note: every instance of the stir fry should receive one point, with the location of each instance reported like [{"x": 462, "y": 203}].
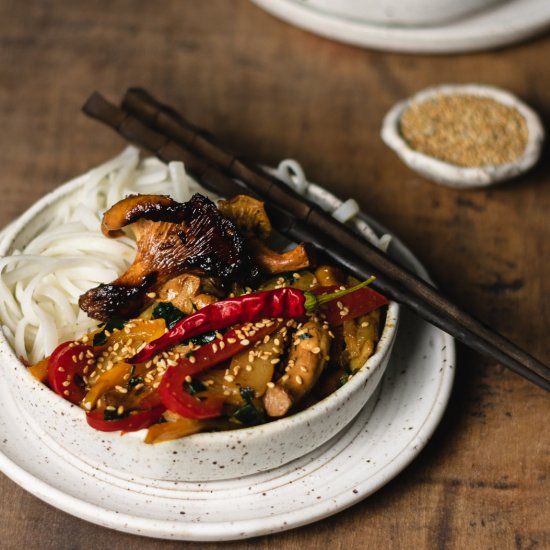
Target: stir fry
[{"x": 209, "y": 328}]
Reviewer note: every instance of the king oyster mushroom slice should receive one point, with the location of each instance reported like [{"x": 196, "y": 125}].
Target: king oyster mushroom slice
[
  {"x": 171, "y": 238},
  {"x": 306, "y": 361}
]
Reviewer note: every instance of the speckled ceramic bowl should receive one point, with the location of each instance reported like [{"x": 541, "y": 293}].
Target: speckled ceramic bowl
[
  {"x": 224, "y": 455},
  {"x": 452, "y": 175}
]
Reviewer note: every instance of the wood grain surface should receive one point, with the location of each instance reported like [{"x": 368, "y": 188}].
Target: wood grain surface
[{"x": 272, "y": 91}]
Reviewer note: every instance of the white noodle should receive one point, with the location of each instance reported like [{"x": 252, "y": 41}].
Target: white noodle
[
  {"x": 180, "y": 179},
  {"x": 89, "y": 218},
  {"x": 41, "y": 283}
]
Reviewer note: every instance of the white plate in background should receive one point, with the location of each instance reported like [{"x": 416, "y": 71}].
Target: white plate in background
[{"x": 501, "y": 25}]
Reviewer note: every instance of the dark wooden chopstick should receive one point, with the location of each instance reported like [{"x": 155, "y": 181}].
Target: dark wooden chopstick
[{"x": 169, "y": 136}]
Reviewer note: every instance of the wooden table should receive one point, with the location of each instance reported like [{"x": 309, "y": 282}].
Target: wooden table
[{"x": 272, "y": 91}]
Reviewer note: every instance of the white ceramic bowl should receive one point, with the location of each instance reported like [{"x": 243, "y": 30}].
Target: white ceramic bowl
[
  {"x": 208, "y": 456},
  {"x": 451, "y": 174}
]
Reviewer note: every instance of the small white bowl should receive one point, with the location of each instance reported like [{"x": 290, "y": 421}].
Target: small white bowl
[
  {"x": 451, "y": 174},
  {"x": 208, "y": 456}
]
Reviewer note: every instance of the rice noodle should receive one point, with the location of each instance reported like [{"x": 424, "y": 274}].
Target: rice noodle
[{"x": 40, "y": 284}]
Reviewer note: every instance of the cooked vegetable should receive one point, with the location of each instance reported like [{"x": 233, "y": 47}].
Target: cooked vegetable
[
  {"x": 40, "y": 370},
  {"x": 221, "y": 349},
  {"x": 360, "y": 336},
  {"x": 175, "y": 396},
  {"x": 169, "y": 312},
  {"x": 328, "y": 275},
  {"x": 180, "y": 292},
  {"x": 174, "y": 389},
  {"x": 105, "y": 421},
  {"x": 249, "y": 216},
  {"x": 249, "y": 414},
  {"x": 166, "y": 431},
  {"x": 252, "y": 369},
  {"x": 111, "y": 378},
  {"x": 100, "y": 338},
  {"x": 66, "y": 367},
  {"x": 306, "y": 361},
  {"x": 274, "y": 262},
  {"x": 349, "y": 306}
]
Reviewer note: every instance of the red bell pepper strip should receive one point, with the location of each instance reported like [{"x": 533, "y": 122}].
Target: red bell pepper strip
[
  {"x": 65, "y": 368},
  {"x": 175, "y": 397},
  {"x": 269, "y": 304},
  {"x": 151, "y": 401},
  {"x": 220, "y": 350},
  {"x": 131, "y": 423},
  {"x": 350, "y": 306},
  {"x": 172, "y": 386}
]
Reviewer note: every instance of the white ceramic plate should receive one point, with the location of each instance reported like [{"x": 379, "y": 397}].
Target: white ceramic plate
[
  {"x": 505, "y": 23},
  {"x": 385, "y": 437}
]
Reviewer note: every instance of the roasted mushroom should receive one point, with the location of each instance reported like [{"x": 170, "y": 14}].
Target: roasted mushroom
[
  {"x": 249, "y": 216},
  {"x": 181, "y": 291},
  {"x": 274, "y": 262},
  {"x": 172, "y": 238}
]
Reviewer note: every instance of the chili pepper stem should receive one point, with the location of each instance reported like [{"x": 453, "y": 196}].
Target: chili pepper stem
[{"x": 313, "y": 302}]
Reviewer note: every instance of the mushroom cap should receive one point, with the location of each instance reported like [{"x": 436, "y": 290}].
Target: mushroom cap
[{"x": 171, "y": 238}]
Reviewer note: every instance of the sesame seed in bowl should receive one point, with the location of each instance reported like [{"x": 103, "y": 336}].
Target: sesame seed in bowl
[{"x": 465, "y": 136}]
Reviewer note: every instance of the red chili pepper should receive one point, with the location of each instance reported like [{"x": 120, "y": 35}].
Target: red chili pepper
[
  {"x": 354, "y": 305},
  {"x": 131, "y": 423},
  {"x": 65, "y": 368},
  {"x": 269, "y": 304}
]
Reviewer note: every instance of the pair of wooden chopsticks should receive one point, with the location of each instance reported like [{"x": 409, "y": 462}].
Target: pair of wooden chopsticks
[{"x": 163, "y": 131}]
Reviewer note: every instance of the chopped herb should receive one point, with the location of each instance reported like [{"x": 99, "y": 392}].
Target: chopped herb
[
  {"x": 169, "y": 312},
  {"x": 247, "y": 393},
  {"x": 305, "y": 336},
  {"x": 100, "y": 338},
  {"x": 194, "y": 387},
  {"x": 201, "y": 339},
  {"x": 249, "y": 415},
  {"x": 289, "y": 278},
  {"x": 113, "y": 415},
  {"x": 134, "y": 381}
]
